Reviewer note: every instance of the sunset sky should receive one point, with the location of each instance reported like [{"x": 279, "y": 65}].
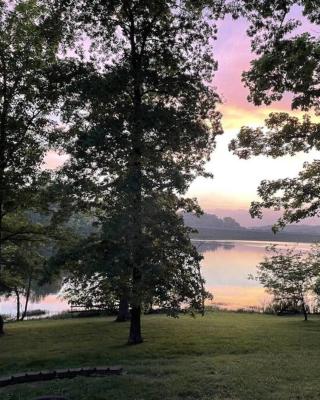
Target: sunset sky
[{"x": 235, "y": 181}]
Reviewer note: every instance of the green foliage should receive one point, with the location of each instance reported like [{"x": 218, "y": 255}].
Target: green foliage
[{"x": 27, "y": 96}]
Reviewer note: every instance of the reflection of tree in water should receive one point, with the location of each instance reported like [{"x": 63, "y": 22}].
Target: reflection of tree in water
[{"x": 204, "y": 246}]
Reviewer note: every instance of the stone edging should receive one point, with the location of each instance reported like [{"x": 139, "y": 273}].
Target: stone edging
[{"x": 58, "y": 374}]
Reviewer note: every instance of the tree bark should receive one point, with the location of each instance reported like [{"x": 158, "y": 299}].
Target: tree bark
[
  {"x": 123, "y": 312},
  {"x": 135, "y": 336},
  {"x": 18, "y": 304}
]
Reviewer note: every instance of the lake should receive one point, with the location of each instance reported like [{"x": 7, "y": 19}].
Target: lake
[{"x": 225, "y": 267}]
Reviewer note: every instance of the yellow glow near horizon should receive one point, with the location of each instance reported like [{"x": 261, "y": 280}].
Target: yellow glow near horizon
[{"x": 235, "y": 181}]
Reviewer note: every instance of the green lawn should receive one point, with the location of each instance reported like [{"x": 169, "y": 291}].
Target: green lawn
[{"x": 225, "y": 356}]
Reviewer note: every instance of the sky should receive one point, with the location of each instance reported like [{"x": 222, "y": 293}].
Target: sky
[{"x": 235, "y": 181}]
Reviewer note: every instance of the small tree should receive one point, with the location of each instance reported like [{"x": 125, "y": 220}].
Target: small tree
[
  {"x": 290, "y": 275},
  {"x": 24, "y": 268}
]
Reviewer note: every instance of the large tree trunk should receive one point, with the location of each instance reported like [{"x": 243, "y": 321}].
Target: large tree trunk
[
  {"x": 135, "y": 336},
  {"x": 135, "y": 182},
  {"x": 123, "y": 312}
]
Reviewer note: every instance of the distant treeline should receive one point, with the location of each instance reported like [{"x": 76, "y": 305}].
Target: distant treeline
[
  {"x": 225, "y": 234},
  {"x": 210, "y": 227}
]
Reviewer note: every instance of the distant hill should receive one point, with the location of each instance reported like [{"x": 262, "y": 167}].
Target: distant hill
[
  {"x": 211, "y": 227},
  {"x": 211, "y": 221}
]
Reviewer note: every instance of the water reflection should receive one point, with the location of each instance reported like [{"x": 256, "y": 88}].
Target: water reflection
[
  {"x": 226, "y": 272},
  {"x": 205, "y": 246}
]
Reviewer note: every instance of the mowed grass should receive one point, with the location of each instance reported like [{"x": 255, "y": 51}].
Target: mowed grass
[{"x": 222, "y": 356}]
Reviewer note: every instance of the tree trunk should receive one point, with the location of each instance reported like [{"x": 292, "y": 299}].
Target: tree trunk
[
  {"x": 18, "y": 304},
  {"x": 135, "y": 336},
  {"x": 305, "y": 313},
  {"x": 1, "y": 326},
  {"x": 27, "y": 299},
  {"x": 135, "y": 181},
  {"x": 123, "y": 312},
  {"x": 135, "y": 326}
]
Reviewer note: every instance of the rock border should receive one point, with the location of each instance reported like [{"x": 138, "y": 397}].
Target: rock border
[{"x": 58, "y": 374}]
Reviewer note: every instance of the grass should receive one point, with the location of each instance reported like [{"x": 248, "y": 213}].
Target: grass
[{"x": 223, "y": 356}]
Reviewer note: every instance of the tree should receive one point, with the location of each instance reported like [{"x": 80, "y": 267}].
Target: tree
[
  {"x": 290, "y": 276},
  {"x": 142, "y": 124},
  {"x": 28, "y": 47},
  {"x": 286, "y": 63}
]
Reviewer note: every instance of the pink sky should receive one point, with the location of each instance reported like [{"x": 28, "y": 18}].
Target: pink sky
[{"x": 236, "y": 181}]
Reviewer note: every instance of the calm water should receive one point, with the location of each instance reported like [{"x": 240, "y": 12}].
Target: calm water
[{"x": 226, "y": 266}]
